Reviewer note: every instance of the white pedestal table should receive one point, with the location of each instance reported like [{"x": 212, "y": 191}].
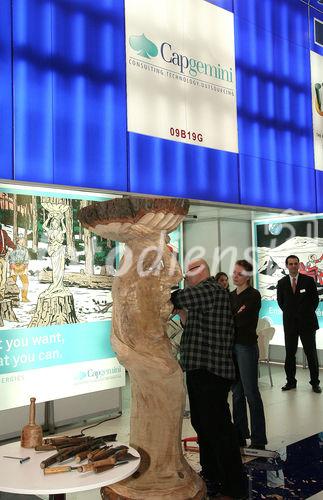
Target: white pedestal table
[{"x": 28, "y": 478}]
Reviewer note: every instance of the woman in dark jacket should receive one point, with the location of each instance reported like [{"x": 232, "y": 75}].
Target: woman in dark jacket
[{"x": 246, "y": 303}]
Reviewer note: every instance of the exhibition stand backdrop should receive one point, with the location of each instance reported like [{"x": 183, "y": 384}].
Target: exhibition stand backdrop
[{"x": 214, "y": 100}]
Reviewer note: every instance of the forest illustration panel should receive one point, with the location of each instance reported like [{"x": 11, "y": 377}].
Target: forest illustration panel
[{"x": 55, "y": 298}]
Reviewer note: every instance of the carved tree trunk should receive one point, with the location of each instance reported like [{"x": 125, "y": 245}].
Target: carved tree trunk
[{"x": 141, "y": 307}]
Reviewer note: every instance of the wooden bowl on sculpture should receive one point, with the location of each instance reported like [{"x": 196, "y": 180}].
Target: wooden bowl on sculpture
[{"x": 121, "y": 219}]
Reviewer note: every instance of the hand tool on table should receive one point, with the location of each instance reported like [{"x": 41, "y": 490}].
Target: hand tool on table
[
  {"x": 67, "y": 453},
  {"x": 21, "y": 459},
  {"x": 105, "y": 452},
  {"x": 45, "y": 447},
  {"x": 71, "y": 440},
  {"x": 101, "y": 465},
  {"x": 82, "y": 468},
  {"x": 93, "y": 449},
  {"x": 32, "y": 433}
]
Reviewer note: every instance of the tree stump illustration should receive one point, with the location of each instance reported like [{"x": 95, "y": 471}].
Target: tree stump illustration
[
  {"x": 6, "y": 311},
  {"x": 10, "y": 300},
  {"x": 55, "y": 306},
  {"x": 12, "y": 292},
  {"x": 141, "y": 307}
]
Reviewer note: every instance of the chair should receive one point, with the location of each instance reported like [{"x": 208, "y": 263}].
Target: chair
[{"x": 265, "y": 333}]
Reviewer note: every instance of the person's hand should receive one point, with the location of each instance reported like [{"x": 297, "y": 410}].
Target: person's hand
[{"x": 242, "y": 308}]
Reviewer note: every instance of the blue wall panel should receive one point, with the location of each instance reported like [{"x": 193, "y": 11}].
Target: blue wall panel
[
  {"x": 89, "y": 94},
  {"x": 275, "y": 184},
  {"x": 70, "y": 101},
  {"x": 6, "y": 165},
  {"x": 284, "y": 18},
  {"x": 273, "y": 92},
  {"x": 32, "y": 91},
  {"x": 170, "y": 168}
]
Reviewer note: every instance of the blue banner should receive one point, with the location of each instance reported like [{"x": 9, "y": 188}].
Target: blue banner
[
  {"x": 271, "y": 310},
  {"x": 28, "y": 349}
]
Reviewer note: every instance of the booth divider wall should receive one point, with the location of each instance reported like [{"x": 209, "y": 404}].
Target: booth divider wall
[{"x": 222, "y": 236}]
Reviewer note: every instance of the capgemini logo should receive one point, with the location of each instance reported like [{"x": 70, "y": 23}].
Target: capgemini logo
[{"x": 144, "y": 46}]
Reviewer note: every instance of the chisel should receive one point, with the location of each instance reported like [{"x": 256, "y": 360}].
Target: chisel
[{"x": 81, "y": 468}]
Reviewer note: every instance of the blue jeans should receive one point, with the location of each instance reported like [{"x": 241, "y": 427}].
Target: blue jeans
[{"x": 246, "y": 387}]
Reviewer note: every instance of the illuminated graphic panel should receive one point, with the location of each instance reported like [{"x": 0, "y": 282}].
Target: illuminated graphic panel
[
  {"x": 274, "y": 240},
  {"x": 55, "y": 299},
  {"x": 181, "y": 72}
]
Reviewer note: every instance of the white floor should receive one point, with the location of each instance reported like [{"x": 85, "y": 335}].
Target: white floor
[{"x": 290, "y": 416}]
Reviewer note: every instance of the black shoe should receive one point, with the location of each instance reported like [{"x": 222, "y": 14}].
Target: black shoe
[
  {"x": 289, "y": 386},
  {"x": 317, "y": 389},
  {"x": 212, "y": 487}
]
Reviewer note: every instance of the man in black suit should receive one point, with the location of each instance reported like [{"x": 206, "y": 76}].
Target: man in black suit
[{"x": 298, "y": 298}]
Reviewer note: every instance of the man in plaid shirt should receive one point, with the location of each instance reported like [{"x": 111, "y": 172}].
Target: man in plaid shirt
[{"x": 206, "y": 357}]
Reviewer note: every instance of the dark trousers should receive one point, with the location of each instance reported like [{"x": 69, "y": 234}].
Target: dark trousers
[
  {"x": 211, "y": 419},
  {"x": 309, "y": 346}
]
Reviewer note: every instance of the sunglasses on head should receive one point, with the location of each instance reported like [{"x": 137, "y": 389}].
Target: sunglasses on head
[{"x": 188, "y": 272}]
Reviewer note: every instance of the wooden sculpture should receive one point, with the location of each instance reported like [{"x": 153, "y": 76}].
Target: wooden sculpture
[
  {"x": 32, "y": 433},
  {"x": 141, "y": 307}
]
